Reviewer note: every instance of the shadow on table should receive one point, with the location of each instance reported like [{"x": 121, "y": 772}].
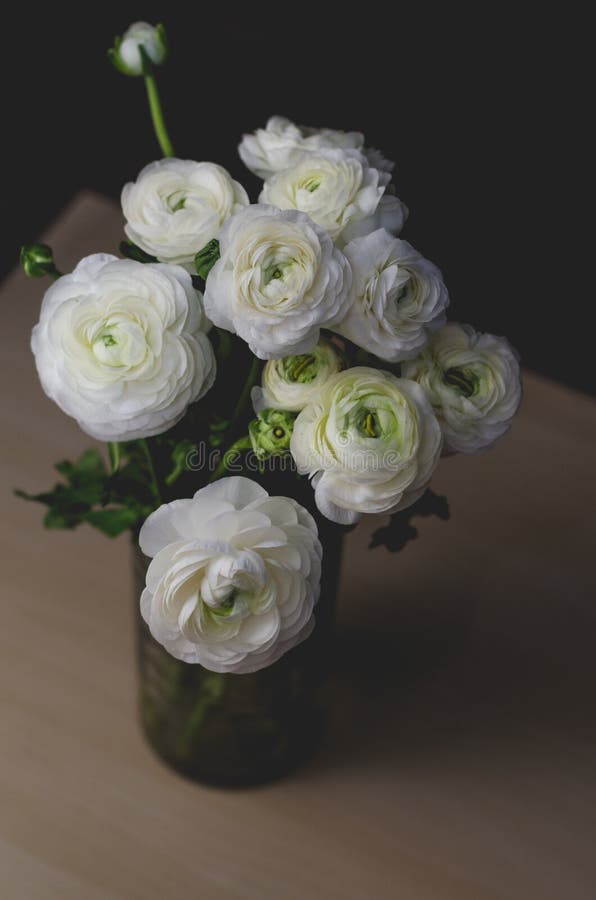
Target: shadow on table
[{"x": 436, "y": 677}]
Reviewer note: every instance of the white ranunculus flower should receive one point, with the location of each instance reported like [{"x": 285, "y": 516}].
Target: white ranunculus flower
[
  {"x": 377, "y": 160},
  {"x": 291, "y": 383},
  {"x": 120, "y": 346},
  {"x": 281, "y": 144},
  {"x": 398, "y": 297},
  {"x": 473, "y": 383},
  {"x": 234, "y": 577},
  {"x": 140, "y": 34},
  {"x": 370, "y": 441},
  {"x": 278, "y": 281},
  {"x": 340, "y": 191},
  {"x": 176, "y": 206}
]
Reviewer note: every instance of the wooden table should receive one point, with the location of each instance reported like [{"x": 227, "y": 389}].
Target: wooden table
[{"x": 462, "y": 760}]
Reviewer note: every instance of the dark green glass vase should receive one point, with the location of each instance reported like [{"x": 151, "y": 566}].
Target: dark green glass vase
[{"x": 230, "y": 729}]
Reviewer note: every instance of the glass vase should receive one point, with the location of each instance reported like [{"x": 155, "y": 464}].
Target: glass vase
[{"x": 230, "y": 729}]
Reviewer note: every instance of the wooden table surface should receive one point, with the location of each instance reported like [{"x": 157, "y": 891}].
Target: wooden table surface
[{"x": 461, "y": 762}]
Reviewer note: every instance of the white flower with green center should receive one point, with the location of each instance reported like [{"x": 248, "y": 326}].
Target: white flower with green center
[
  {"x": 120, "y": 346},
  {"x": 176, "y": 206},
  {"x": 278, "y": 281},
  {"x": 473, "y": 383},
  {"x": 370, "y": 442},
  {"x": 340, "y": 191},
  {"x": 291, "y": 383},
  {"x": 398, "y": 297},
  {"x": 234, "y": 577},
  {"x": 281, "y": 144}
]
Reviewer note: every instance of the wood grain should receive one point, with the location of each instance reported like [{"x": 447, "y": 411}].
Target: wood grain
[{"x": 461, "y": 759}]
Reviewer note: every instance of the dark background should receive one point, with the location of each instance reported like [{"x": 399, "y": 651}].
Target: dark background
[{"x": 480, "y": 106}]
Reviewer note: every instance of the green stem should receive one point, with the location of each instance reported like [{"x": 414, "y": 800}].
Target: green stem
[
  {"x": 250, "y": 382},
  {"x": 243, "y": 443},
  {"x": 157, "y": 117},
  {"x": 144, "y": 443},
  {"x": 114, "y": 454},
  {"x": 211, "y": 688}
]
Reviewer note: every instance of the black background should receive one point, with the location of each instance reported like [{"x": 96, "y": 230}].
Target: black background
[{"x": 481, "y": 107}]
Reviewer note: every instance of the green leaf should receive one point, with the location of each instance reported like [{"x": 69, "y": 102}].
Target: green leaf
[
  {"x": 86, "y": 478},
  {"x": 113, "y": 521},
  {"x": 179, "y": 460},
  {"x": 400, "y": 529},
  {"x": 36, "y": 498},
  {"x": 111, "y": 503},
  {"x": 217, "y": 430},
  {"x": 62, "y": 518},
  {"x": 89, "y": 466}
]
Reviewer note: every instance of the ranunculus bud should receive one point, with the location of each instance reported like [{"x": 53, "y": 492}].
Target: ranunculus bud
[
  {"x": 292, "y": 382},
  {"x": 270, "y": 433},
  {"x": 37, "y": 260},
  {"x": 140, "y": 45}
]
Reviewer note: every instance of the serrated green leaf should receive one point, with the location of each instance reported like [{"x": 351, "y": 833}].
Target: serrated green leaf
[
  {"x": 58, "y": 518},
  {"x": 88, "y": 490},
  {"x": 113, "y": 521},
  {"x": 179, "y": 460},
  {"x": 88, "y": 467}
]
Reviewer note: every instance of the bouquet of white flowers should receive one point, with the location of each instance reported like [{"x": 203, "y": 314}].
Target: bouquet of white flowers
[{"x": 233, "y": 341}]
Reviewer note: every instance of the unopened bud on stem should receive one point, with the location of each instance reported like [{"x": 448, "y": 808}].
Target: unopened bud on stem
[
  {"x": 37, "y": 260},
  {"x": 140, "y": 47}
]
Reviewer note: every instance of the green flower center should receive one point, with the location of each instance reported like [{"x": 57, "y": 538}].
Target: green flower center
[
  {"x": 278, "y": 432},
  {"x": 276, "y": 271},
  {"x": 463, "y": 380},
  {"x": 374, "y": 418},
  {"x": 176, "y": 201},
  {"x": 226, "y": 607},
  {"x": 119, "y": 342},
  {"x": 302, "y": 369},
  {"x": 370, "y": 425}
]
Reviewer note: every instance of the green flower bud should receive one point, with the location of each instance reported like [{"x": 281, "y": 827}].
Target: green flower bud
[
  {"x": 141, "y": 47},
  {"x": 292, "y": 382},
  {"x": 37, "y": 260},
  {"x": 270, "y": 433},
  {"x": 206, "y": 258}
]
